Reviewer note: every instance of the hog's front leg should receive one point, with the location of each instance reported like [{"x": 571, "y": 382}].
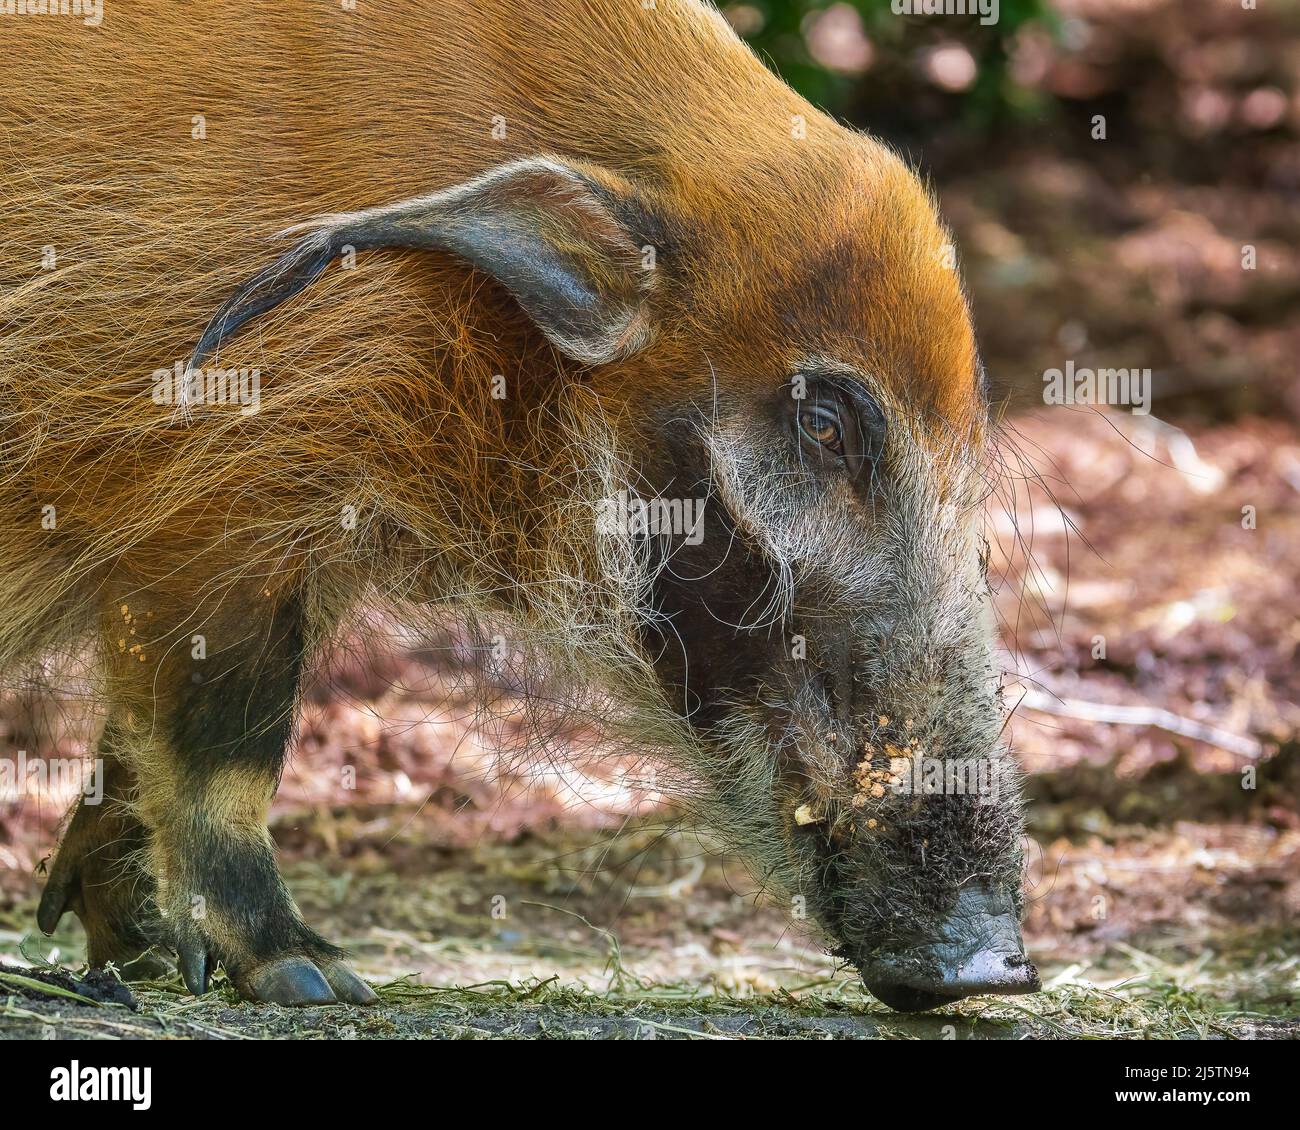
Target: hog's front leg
[{"x": 208, "y": 738}]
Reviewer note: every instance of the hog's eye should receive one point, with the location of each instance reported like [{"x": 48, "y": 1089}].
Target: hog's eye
[
  {"x": 837, "y": 424},
  {"x": 822, "y": 426}
]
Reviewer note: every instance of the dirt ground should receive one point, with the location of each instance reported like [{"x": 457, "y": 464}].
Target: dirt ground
[
  {"x": 527, "y": 939},
  {"x": 685, "y": 953}
]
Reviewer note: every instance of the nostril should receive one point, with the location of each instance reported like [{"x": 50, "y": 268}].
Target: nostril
[{"x": 987, "y": 972}]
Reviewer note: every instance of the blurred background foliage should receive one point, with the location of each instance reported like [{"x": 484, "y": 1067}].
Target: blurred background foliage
[
  {"x": 1110, "y": 167},
  {"x": 834, "y": 53}
]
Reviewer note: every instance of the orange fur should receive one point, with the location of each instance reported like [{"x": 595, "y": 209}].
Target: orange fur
[{"x": 374, "y": 382}]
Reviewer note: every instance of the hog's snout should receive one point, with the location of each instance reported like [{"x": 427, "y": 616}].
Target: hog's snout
[{"x": 975, "y": 950}]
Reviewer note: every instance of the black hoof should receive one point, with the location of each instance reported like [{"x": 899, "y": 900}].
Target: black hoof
[
  {"x": 290, "y": 981},
  {"x": 193, "y": 963},
  {"x": 347, "y": 986},
  {"x": 55, "y": 899}
]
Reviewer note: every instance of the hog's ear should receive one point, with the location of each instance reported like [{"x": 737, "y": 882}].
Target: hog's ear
[{"x": 549, "y": 232}]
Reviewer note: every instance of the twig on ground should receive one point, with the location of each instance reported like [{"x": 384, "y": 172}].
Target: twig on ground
[{"x": 1143, "y": 716}]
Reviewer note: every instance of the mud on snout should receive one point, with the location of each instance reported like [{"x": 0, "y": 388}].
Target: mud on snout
[{"x": 918, "y": 877}]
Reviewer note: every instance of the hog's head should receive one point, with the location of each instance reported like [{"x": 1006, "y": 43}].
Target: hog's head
[{"x": 826, "y": 625}]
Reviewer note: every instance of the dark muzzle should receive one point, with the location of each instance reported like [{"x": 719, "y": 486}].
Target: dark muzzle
[{"x": 976, "y": 950}]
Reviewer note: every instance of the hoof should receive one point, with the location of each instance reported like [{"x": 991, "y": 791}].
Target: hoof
[
  {"x": 347, "y": 986},
  {"x": 289, "y": 981},
  {"x": 193, "y": 964},
  {"x": 56, "y": 899}
]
